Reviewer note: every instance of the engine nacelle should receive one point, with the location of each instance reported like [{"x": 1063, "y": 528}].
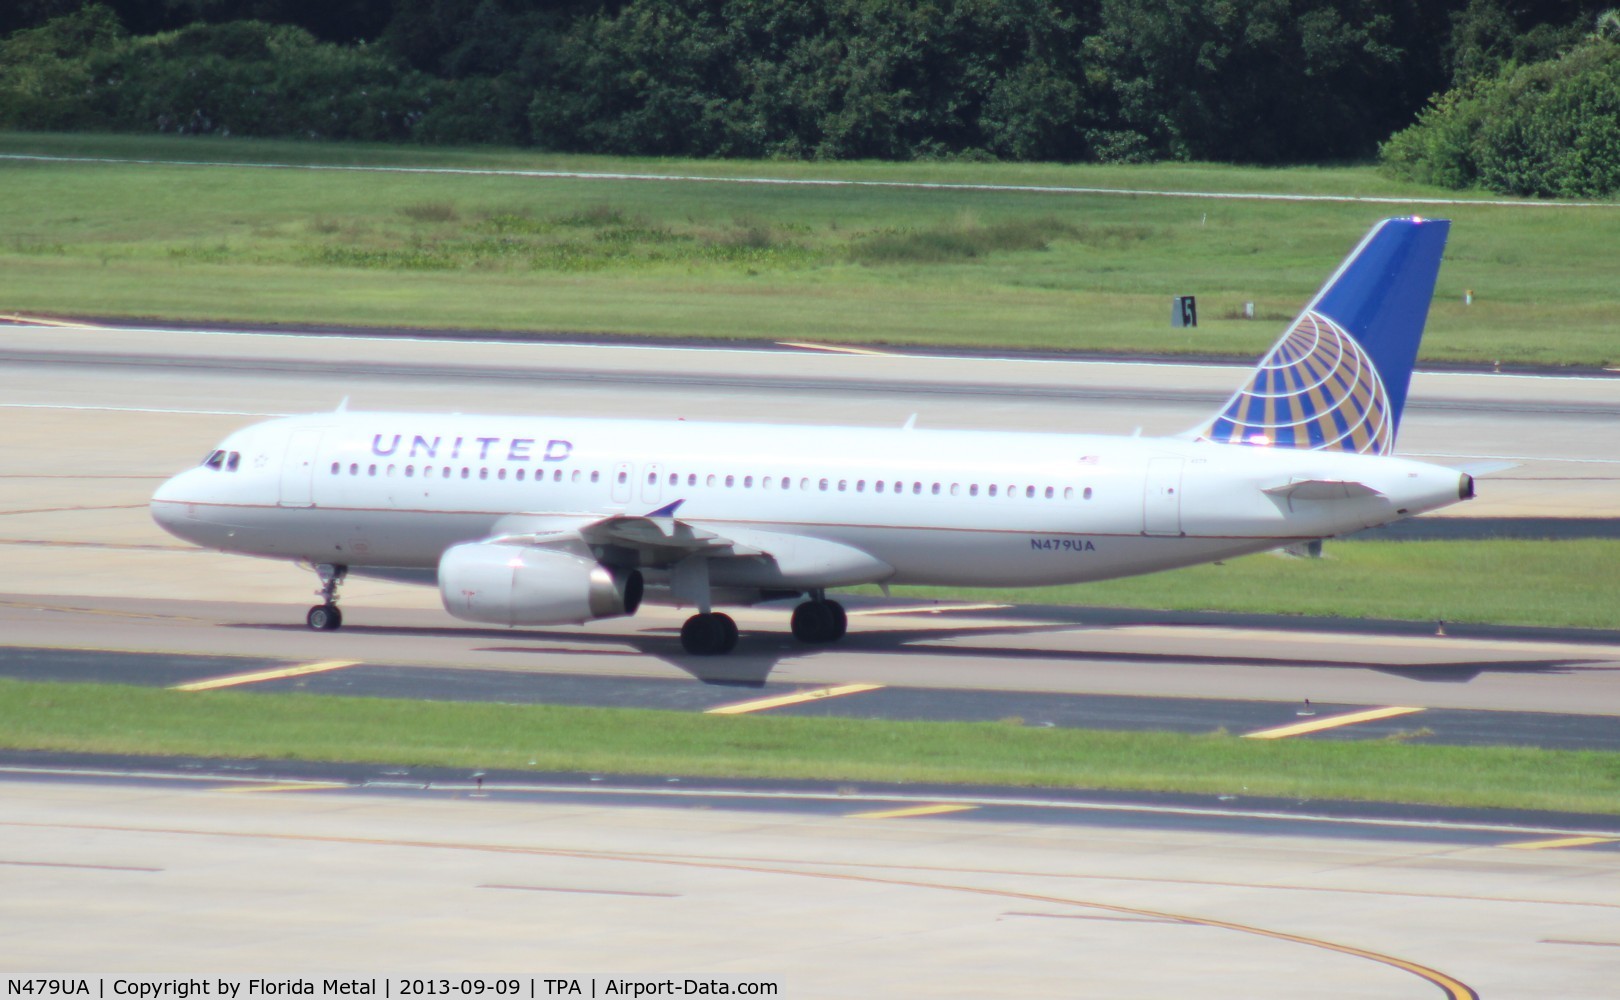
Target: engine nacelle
[{"x": 524, "y": 585}]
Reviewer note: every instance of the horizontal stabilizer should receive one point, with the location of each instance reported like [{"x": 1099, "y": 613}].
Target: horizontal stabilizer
[{"x": 1322, "y": 489}]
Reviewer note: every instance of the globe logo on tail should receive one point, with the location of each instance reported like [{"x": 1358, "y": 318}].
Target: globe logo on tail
[{"x": 1317, "y": 389}]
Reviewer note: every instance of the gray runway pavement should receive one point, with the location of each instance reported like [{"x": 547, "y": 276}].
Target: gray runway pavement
[{"x": 826, "y": 896}]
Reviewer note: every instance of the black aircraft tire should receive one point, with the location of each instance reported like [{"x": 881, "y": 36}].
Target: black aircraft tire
[
  {"x": 324, "y": 618},
  {"x": 816, "y": 622},
  {"x": 709, "y": 634}
]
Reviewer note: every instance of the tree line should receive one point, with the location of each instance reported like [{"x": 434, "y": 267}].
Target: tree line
[{"x": 1252, "y": 81}]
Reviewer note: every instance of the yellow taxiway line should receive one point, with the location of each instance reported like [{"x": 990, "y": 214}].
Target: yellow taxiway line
[
  {"x": 42, "y": 321},
  {"x": 929, "y": 609},
  {"x": 761, "y": 704},
  {"x": 832, "y": 349},
  {"x": 935, "y": 810},
  {"x": 1542, "y": 845},
  {"x": 256, "y": 676},
  {"x": 1329, "y": 722}
]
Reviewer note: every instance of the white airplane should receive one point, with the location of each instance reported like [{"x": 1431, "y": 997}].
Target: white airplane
[{"x": 544, "y": 520}]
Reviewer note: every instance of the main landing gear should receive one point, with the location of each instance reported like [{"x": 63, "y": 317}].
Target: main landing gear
[
  {"x": 709, "y": 634},
  {"x": 325, "y": 617},
  {"x": 819, "y": 620},
  {"x": 713, "y": 634}
]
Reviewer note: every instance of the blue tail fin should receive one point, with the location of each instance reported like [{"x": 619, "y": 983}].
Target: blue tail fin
[{"x": 1337, "y": 379}]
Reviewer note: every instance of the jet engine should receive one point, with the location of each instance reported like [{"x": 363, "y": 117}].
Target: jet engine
[{"x": 525, "y": 585}]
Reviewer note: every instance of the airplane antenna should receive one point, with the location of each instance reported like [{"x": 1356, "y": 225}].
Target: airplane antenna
[
  {"x": 343, "y": 407},
  {"x": 910, "y": 424}
]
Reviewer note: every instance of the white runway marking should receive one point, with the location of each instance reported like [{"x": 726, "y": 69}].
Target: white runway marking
[{"x": 823, "y": 182}]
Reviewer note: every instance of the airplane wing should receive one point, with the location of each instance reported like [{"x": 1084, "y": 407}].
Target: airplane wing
[
  {"x": 752, "y": 556},
  {"x": 659, "y": 537}
]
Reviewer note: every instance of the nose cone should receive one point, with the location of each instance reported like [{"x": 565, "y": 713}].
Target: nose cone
[{"x": 169, "y": 508}]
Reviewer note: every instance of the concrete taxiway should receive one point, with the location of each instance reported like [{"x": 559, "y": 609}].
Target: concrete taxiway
[{"x": 830, "y": 894}]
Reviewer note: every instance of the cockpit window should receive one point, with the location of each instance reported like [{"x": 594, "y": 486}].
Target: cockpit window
[{"x": 228, "y": 461}]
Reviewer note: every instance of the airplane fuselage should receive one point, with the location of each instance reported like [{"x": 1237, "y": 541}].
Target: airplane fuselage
[{"x": 393, "y": 492}]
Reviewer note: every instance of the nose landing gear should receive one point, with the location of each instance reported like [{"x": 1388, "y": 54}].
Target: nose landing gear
[{"x": 325, "y": 617}]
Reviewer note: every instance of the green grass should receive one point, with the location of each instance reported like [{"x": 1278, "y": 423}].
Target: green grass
[
  {"x": 853, "y": 265},
  {"x": 116, "y": 719},
  {"x": 1501, "y": 581}
]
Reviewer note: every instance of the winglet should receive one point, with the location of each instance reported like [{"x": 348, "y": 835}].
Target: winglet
[{"x": 668, "y": 510}]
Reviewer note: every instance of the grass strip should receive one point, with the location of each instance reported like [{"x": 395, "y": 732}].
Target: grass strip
[
  {"x": 1025, "y": 269},
  {"x": 1559, "y": 584},
  {"x": 120, "y": 719}
]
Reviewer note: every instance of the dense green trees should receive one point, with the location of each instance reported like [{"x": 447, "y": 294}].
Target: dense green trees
[
  {"x": 1248, "y": 80},
  {"x": 1550, "y": 128},
  {"x": 239, "y": 77}
]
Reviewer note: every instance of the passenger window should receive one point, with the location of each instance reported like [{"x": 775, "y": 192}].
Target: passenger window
[
  {"x": 652, "y": 479},
  {"x": 804, "y": 483},
  {"x": 410, "y": 471},
  {"x": 956, "y": 489},
  {"x": 1068, "y": 492},
  {"x": 936, "y": 489},
  {"x": 624, "y": 477},
  {"x": 335, "y": 467},
  {"x": 765, "y": 483},
  {"x": 843, "y": 485},
  {"x": 390, "y": 470},
  {"x": 596, "y": 477},
  {"x": 466, "y": 473},
  {"x": 860, "y": 486},
  {"x": 877, "y": 487},
  {"x": 575, "y": 477},
  {"x": 787, "y": 483},
  {"x": 500, "y": 474},
  {"x": 1087, "y": 493},
  {"x": 446, "y": 472},
  {"x": 371, "y": 470},
  {"x": 731, "y": 481},
  {"x": 992, "y": 489},
  {"x": 824, "y": 486},
  {"x": 691, "y": 479},
  {"x": 354, "y": 469},
  {"x": 973, "y": 490},
  {"x": 1049, "y": 493},
  {"x": 674, "y": 479},
  {"x": 748, "y": 482},
  {"x": 1029, "y": 492},
  {"x": 483, "y": 473},
  {"x": 556, "y": 477},
  {"x": 710, "y": 481}
]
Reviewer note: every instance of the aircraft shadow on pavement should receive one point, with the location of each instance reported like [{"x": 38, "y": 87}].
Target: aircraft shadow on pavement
[{"x": 758, "y": 653}]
